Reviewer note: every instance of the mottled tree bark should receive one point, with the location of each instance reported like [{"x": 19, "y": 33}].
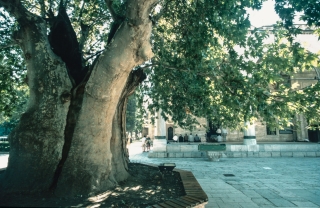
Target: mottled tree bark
[{"x": 71, "y": 140}]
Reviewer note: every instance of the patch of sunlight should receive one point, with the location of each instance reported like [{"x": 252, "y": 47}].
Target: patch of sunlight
[
  {"x": 295, "y": 85},
  {"x": 79, "y": 205},
  {"x": 100, "y": 197},
  {"x": 4, "y": 160},
  {"x": 94, "y": 206},
  {"x": 150, "y": 191},
  {"x": 136, "y": 188},
  {"x": 118, "y": 189}
]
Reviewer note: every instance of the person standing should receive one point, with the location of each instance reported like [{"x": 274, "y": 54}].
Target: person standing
[
  {"x": 219, "y": 138},
  {"x": 148, "y": 143},
  {"x": 143, "y": 145}
]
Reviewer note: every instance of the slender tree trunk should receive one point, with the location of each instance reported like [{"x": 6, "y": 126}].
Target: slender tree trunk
[
  {"x": 120, "y": 158},
  {"x": 72, "y": 140}
]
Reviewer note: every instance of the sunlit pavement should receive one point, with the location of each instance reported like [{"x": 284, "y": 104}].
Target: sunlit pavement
[
  {"x": 3, "y": 160},
  {"x": 250, "y": 182}
]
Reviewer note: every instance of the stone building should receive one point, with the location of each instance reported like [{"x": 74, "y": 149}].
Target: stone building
[{"x": 258, "y": 132}]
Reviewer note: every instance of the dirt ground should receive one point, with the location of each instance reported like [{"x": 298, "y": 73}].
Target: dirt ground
[{"x": 145, "y": 187}]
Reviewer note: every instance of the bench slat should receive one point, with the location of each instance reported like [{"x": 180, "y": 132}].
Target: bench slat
[
  {"x": 212, "y": 147},
  {"x": 184, "y": 204}
]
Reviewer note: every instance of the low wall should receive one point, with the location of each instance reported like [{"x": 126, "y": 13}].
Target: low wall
[{"x": 238, "y": 150}]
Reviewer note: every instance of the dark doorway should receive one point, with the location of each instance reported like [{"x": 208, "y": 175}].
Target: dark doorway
[
  {"x": 170, "y": 133},
  {"x": 212, "y": 131},
  {"x": 314, "y": 135},
  {"x": 145, "y": 131}
]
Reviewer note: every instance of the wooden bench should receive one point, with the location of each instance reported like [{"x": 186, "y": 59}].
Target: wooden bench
[{"x": 214, "y": 151}]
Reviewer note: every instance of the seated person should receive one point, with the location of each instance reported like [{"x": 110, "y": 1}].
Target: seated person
[
  {"x": 180, "y": 138},
  {"x": 196, "y": 138},
  {"x": 191, "y": 139},
  {"x": 175, "y": 138},
  {"x": 185, "y": 138}
]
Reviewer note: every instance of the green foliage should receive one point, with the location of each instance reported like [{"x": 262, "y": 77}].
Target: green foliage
[
  {"x": 287, "y": 10},
  {"x": 141, "y": 113},
  {"x": 208, "y": 62},
  {"x": 12, "y": 71},
  {"x": 136, "y": 114},
  {"x": 13, "y": 89},
  {"x": 90, "y": 20},
  {"x": 130, "y": 114},
  {"x": 10, "y": 116}
]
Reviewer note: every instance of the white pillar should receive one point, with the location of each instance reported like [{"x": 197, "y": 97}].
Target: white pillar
[
  {"x": 249, "y": 137},
  {"x": 302, "y": 132},
  {"x": 160, "y": 142},
  {"x": 161, "y": 126},
  {"x": 224, "y": 134}
]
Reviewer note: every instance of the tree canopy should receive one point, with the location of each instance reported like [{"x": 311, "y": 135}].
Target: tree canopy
[
  {"x": 208, "y": 61},
  {"x": 215, "y": 65}
]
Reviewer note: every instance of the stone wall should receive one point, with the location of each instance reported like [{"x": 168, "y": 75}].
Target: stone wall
[
  {"x": 199, "y": 129},
  {"x": 298, "y": 149}
]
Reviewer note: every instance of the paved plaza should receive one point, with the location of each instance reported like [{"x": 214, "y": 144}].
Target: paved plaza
[
  {"x": 247, "y": 182},
  {"x": 250, "y": 182}
]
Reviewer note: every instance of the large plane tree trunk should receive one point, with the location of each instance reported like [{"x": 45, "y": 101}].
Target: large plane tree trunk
[{"x": 71, "y": 140}]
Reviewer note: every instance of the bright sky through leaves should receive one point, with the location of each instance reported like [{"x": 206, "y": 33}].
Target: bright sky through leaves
[{"x": 267, "y": 15}]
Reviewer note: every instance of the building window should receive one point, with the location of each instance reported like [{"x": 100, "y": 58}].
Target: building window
[
  {"x": 271, "y": 131},
  {"x": 288, "y": 130}
]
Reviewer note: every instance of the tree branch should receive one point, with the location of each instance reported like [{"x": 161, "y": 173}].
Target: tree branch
[
  {"x": 42, "y": 8},
  {"x": 180, "y": 69},
  {"x": 85, "y": 29},
  {"x": 210, "y": 75},
  {"x": 113, "y": 13},
  {"x": 139, "y": 10},
  {"x": 93, "y": 55},
  {"x": 9, "y": 45},
  {"x": 92, "y": 45},
  {"x": 81, "y": 11}
]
